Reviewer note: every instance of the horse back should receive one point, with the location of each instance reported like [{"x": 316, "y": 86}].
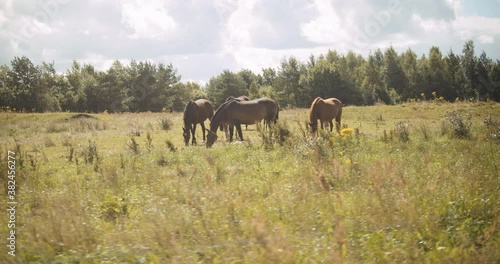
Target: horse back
[
  {"x": 205, "y": 110},
  {"x": 250, "y": 112},
  {"x": 330, "y": 108}
]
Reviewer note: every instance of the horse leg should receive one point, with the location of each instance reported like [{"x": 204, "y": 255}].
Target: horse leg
[
  {"x": 193, "y": 132},
  {"x": 238, "y": 128},
  {"x": 338, "y": 120},
  {"x": 226, "y": 130},
  {"x": 331, "y": 125},
  {"x": 202, "y": 124},
  {"x": 231, "y": 130}
]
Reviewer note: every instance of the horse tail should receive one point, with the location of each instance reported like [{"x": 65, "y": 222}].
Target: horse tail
[
  {"x": 277, "y": 113},
  {"x": 338, "y": 118}
]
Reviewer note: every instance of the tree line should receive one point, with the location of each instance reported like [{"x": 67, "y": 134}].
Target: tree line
[{"x": 383, "y": 76}]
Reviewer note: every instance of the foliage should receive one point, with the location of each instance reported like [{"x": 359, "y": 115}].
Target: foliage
[
  {"x": 384, "y": 76},
  {"x": 226, "y": 84},
  {"x": 459, "y": 126}
]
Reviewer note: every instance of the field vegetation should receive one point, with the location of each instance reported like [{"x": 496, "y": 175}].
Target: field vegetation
[{"x": 411, "y": 183}]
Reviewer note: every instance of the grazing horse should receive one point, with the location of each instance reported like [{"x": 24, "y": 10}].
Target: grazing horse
[
  {"x": 325, "y": 110},
  {"x": 196, "y": 112},
  {"x": 236, "y": 113},
  {"x": 239, "y": 98}
]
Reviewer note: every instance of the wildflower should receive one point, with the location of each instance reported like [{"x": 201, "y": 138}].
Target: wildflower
[{"x": 346, "y": 132}]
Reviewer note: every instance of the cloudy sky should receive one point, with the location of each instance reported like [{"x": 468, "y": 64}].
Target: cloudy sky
[{"x": 201, "y": 38}]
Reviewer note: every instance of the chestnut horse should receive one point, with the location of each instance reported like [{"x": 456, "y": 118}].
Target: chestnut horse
[
  {"x": 196, "y": 112},
  {"x": 236, "y": 113},
  {"x": 325, "y": 110}
]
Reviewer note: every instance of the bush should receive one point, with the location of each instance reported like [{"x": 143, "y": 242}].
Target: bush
[
  {"x": 459, "y": 127},
  {"x": 165, "y": 124},
  {"x": 402, "y": 129}
]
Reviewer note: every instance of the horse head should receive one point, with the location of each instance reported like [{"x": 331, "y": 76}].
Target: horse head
[
  {"x": 313, "y": 126},
  {"x": 186, "y": 133},
  {"x": 211, "y": 138}
]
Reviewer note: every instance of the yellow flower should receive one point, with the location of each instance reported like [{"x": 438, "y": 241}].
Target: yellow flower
[{"x": 346, "y": 131}]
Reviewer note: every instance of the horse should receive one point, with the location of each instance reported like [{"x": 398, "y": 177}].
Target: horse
[
  {"x": 236, "y": 113},
  {"x": 325, "y": 110},
  {"x": 239, "y": 98},
  {"x": 196, "y": 112}
]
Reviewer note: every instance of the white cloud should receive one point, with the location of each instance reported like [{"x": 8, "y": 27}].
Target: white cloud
[
  {"x": 486, "y": 39},
  {"x": 432, "y": 25},
  {"x": 201, "y": 38},
  {"x": 100, "y": 61},
  {"x": 148, "y": 20},
  {"x": 240, "y": 25},
  {"x": 468, "y": 27},
  {"x": 325, "y": 27}
]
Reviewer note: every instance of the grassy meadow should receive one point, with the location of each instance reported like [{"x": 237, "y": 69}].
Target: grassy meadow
[{"x": 411, "y": 183}]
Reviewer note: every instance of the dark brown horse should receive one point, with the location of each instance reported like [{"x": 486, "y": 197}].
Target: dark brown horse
[
  {"x": 239, "y": 98},
  {"x": 325, "y": 110},
  {"x": 196, "y": 112},
  {"x": 236, "y": 113}
]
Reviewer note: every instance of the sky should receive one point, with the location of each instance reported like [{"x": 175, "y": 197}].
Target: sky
[{"x": 201, "y": 38}]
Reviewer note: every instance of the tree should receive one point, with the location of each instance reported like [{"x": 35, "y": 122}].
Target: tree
[
  {"x": 51, "y": 84},
  {"x": 168, "y": 92},
  {"x": 409, "y": 64},
  {"x": 24, "y": 80},
  {"x": 469, "y": 63},
  {"x": 248, "y": 77},
  {"x": 114, "y": 90},
  {"x": 393, "y": 75},
  {"x": 269, "y": 76},
  {"x": 74, "y": 97},
  {"x": 7, "y": 96},
  {"x": 483, "y": 69},
  {"x": 438, "y": 75},
  {"x": 90, "y": 86},
  {"x": 288, "y": 89},
  {"x": 456, "y": 78},
  {"x": 195, "y": 91},
  {"x": 372, "y": 86},
  {"x": 495, "y": 79},
  {"x": 224, "y": 85},
  {"x": 324, "y": 79}
]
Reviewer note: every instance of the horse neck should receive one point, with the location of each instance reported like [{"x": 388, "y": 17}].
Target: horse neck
[
  {"x": 217, "y": 119},
  {"x": 313, "y": 115}
]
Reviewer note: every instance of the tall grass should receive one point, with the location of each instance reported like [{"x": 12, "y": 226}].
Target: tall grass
[{"x": 281, "y": 196}]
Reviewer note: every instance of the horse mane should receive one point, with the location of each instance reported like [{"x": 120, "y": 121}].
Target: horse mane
[
  {"x": 188, "y": 113},
  {"x": 219, "y": 110},
  {"x": 312, "y": 111}
]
